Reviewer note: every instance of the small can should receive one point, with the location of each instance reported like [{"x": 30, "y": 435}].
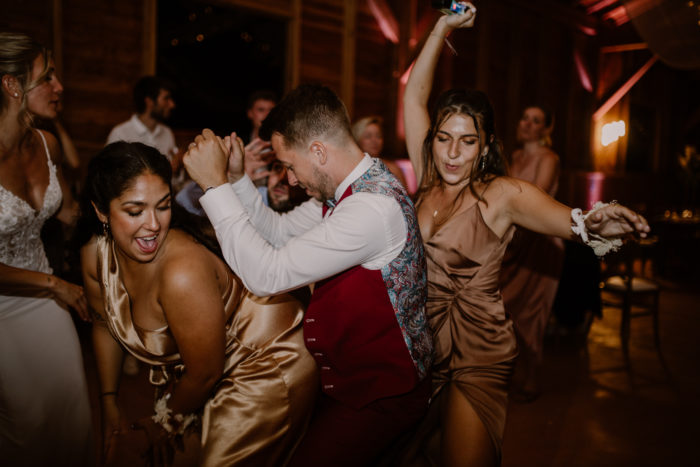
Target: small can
[{"x": 459, "y": 8}]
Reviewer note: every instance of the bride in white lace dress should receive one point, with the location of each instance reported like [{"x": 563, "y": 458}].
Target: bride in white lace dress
[{"x": 44, "y": 409}]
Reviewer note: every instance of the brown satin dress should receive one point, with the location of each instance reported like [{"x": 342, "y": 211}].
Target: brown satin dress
[
  {"x": 475, "y": 345},
  {"x": 260, "y": 407}
]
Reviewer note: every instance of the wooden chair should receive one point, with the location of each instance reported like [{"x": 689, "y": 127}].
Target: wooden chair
[{"x": 626, "y": 287}]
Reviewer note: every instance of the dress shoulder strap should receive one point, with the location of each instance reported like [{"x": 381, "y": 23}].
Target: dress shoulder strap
[{"x": 46, "y": 146}]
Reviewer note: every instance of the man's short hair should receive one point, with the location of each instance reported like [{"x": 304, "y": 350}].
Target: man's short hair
[
  {"x": 149, "y": 86},
  {"x": 309, "y": 111},
  {"x": 262, "y": 95}
]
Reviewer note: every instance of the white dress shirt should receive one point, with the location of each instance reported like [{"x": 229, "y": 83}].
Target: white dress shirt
[
  {"x": 134, "y": 131},
  {"x": 273, "y": 253}
]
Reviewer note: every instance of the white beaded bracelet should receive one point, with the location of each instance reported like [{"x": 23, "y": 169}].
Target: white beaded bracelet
[
  {"x": 162, "y": 417},
  {"x": 601, "y": 245}
]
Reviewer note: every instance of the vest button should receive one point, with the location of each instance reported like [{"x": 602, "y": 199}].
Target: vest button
[
  {"x": 310, "y": 320},
  {"x": 311, "y": 339},
  {"x": 326, "y": 368},
  {"x": 318, "y": 354},
  {"x": 327, "y": 386}
]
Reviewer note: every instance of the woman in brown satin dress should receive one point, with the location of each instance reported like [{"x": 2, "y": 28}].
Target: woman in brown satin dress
[
  {"x": 533, "y": 262},
  {"x": 467, "y": 210},
  {"x": 218, "y": 354}
]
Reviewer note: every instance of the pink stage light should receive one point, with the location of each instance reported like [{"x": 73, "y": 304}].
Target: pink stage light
[
  {"x": 594, "y": 188},
  {"x": 587, "y": 30},
  {"x": 583, "y": 74},
  {"x": 385, "y": 19},
  {"x": 619, "y": 15},
  {"x": 407, "y": 73},
  {"x": 624, "y": 89},
  {"x": 599, "y": 6}
]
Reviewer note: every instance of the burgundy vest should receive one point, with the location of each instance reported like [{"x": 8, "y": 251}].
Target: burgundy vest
[{"x": 367, "y": 347}]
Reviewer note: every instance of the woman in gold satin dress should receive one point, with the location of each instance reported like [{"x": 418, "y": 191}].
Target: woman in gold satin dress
[
  {"x": 467, "y": 211},
  {"x": 218, "y": 354}
]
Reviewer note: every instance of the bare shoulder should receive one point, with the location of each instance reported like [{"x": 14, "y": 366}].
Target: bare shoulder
[
  {"x": 503, "y": 186},
  {"x": 187, "y": 264},
  {"x": 548, "y": 156},
  {"x": 53, "y": 145},
  {"x": 503, "y": 191}
]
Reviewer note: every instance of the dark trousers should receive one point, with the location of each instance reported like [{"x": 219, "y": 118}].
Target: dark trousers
[{"x": 340, "y": 435}]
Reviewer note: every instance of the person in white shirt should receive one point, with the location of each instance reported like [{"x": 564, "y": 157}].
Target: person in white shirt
[
  {"x": 153, "y": 102},
  {"x": 365, "y": 325}
]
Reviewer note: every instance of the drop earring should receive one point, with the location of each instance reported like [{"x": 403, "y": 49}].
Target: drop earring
[{"x": 105, "y": 229}]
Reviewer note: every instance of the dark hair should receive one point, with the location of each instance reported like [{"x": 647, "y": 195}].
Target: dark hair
[
  {"x": 476, "y": 105},
  {"x": 149, "y": 86},
  {"x": 261, "y": 95},
  {"x": 547, "y": 111},
  {"x": 17, "y": 54},
  {"x": 307, "y": 112},
  {"x": 112, "y": 171}
]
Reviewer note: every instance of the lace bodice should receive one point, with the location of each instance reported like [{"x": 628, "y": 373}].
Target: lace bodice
[{"x": 20, "y": 224}]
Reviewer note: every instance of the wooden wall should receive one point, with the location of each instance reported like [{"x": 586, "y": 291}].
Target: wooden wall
[
  {"x": 103, "y": 47},
  {"x": 99, "y": 50},
  {"x": 520, "y": 52}
]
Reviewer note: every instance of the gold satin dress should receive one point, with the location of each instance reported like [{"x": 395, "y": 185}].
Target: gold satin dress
[
  {"x": 260, "y": 408},
  {"x": 475, "y": 344}
]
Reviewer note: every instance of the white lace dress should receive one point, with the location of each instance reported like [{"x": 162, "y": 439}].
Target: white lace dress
[{"x": 44, "y": 408}]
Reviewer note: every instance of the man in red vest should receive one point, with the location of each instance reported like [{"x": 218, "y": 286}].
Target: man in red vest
[{"x": 358, "y": 240}]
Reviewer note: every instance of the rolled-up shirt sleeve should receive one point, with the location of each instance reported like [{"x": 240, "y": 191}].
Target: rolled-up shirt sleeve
[
  {"x": 274, "y": 227},
  {"x": 365, "y": 229}
]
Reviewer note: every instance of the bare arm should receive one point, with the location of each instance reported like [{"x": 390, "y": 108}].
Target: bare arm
[
  {"x": 108, "y": 352},
  {"x": 547, "y": 172},
  {"x": 191, "y": 301},
  {"x": 420, "y": 82},
  {"x": 26, "y": 283},
  {"x": 530, "y": 207}
]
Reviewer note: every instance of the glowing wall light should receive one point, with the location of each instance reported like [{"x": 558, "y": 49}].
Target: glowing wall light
[{"x": 611, "y": 132}]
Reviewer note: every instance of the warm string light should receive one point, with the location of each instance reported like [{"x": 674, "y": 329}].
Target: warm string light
[{"x": 611, "y": 132}]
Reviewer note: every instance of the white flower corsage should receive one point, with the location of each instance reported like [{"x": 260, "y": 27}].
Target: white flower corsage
[
  {"x": 163, "y": 417},
  {"x": 601, "y": 245}
]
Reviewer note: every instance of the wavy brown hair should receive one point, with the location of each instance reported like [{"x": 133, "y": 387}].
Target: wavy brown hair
[{"x": 487, "y": 166}]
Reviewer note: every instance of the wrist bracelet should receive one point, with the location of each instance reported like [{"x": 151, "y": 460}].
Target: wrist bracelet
[
  {"x": 208, "y": 188},
  {"x": 601, "y": 245}
]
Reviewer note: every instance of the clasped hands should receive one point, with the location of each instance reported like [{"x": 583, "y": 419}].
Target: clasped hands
[{"x": 212, "y": 161}]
